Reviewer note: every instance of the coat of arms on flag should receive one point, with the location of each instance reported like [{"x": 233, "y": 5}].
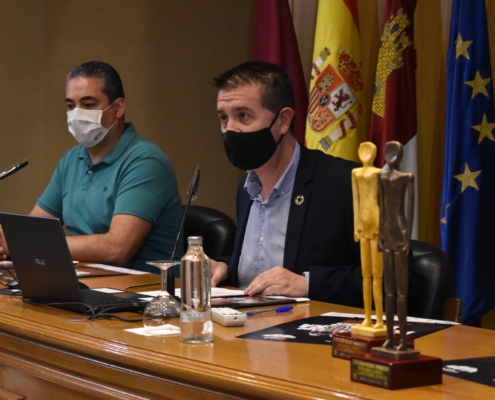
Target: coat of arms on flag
[
  {"x": 393, "y": 43},
  {"x": 331, "y": 96}
]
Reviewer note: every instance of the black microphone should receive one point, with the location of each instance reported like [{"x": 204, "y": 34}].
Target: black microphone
[
  {"x": 12, "y": 170},
  {"x": 192, "y": 191}
]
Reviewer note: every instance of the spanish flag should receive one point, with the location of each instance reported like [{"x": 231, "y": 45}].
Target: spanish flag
[{"x": 335, "y": 105}]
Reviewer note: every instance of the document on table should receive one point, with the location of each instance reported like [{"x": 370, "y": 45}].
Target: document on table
[
  {"x": 222, "y": 292},
  {"x": 94, "y": 269},
  {"x": 396, "y": 318},
  {"x": 162, "y": 330}
]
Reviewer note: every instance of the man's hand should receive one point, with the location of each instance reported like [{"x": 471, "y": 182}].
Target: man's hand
[
  {"x": 4, "y": 250},
  {"x": 219, "y": 271},
  {"x": 278, "y": 280},
  {"x": 116, "y": 247}
]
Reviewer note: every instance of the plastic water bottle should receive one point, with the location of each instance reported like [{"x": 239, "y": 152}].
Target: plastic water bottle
[{"x": 195, "y": 315}]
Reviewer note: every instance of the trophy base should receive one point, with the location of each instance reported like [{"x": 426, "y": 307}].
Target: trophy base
[
  {"x": 368, "y": 331},
  {"x": 395, "y": 354},
  {"x": 396, "y": 374},
  {"x": 345, "y": 345}
]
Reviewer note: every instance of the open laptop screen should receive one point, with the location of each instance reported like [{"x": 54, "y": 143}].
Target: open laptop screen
[{"x": 43, "y": 263}]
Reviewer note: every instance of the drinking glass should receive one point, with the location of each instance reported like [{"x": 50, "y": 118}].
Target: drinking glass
[{"x": 163, "y": 306}]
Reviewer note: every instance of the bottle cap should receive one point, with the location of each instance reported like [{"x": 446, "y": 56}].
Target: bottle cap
[{"x": 195, "y": 240}]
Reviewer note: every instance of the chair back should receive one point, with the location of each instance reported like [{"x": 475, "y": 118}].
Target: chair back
[
  {"x": 216, "y": 228},
  {"x": 435, "y": 277}
]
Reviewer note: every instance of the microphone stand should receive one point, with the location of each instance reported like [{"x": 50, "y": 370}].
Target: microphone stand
[{"x": 192, "y": 191}]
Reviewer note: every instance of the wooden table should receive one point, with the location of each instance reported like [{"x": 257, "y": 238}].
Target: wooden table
[{"x": 44, "y": 356}]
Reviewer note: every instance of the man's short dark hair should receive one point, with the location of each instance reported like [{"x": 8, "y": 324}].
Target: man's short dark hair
[
  {"x": 275, "y": 86},
  {"x": 111, "y": 84}
]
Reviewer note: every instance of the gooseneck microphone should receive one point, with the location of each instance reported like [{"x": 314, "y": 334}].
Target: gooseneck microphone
[
  {"x": 12, "y": 170},
  {"x": 192, "y": 191}
]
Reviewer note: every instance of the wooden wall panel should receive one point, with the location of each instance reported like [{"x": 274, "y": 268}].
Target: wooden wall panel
[{"x": 166, "y": 53}]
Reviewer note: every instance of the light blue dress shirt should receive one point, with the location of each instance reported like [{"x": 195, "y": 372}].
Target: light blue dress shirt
[{"x": 264, "y": 240}]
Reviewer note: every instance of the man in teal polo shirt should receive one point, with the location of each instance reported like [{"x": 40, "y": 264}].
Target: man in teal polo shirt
[{"x": 116, "y": 192}]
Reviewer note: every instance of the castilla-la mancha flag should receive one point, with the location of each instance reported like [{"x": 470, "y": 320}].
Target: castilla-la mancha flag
[
  {"x": 393, "y": 114},
  {"x": 394, "y": 101},
  {"x": 334, "y": 123},
  {"x": 275, "y": 41}
]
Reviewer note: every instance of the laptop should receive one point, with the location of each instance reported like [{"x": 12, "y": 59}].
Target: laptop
[{"x": 46, "y": 273}]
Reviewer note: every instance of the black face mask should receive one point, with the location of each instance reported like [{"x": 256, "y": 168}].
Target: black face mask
[{"x": 250, "y": 150}]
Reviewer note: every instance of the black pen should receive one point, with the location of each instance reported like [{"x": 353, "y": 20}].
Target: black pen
[{"x": 142, "y": 285}]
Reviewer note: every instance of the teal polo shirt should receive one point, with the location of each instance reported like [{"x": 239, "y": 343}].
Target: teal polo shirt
[{"x": 135, "y": 178}]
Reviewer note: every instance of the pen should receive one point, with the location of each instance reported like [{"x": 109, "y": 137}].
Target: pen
[
  {"x": 278, "y": 309},
  {"x": 142, "y": 285}
]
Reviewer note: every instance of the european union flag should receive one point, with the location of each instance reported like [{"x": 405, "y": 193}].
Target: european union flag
[{"x": 468, "y": 196}]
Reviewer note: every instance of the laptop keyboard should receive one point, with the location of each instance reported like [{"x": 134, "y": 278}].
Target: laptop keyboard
[{"x": 95, "y": 299}]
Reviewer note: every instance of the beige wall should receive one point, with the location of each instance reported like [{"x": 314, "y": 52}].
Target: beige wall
[{"x": 166, "y": 52}]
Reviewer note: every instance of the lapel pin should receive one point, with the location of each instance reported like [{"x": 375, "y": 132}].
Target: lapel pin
[{"x": 299, "y": 199}]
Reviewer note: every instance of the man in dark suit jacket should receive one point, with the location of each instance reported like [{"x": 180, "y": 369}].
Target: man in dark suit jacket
[
  {"x": 320, "y": 229},
  {"x": 313, "y": 228}
]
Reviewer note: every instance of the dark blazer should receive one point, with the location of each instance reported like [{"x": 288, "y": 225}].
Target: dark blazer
[{"x": 320, "y": 231}]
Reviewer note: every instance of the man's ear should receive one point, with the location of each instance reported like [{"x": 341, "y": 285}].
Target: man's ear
[
  {"x": 285, "y": 116},
  {"x": 120, "y": 104}
]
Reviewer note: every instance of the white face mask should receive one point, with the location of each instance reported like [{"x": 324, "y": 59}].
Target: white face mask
[{"x": 85, "y": 126}]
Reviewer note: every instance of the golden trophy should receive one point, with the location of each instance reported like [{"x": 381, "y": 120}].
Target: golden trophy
[{"x": 366, "y": 227}]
